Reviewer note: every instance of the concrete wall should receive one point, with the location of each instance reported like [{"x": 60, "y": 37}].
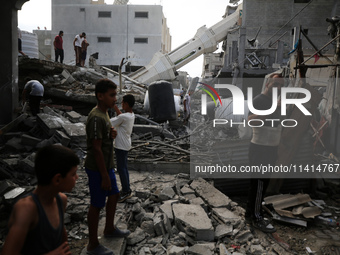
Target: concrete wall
[
  {"x": 213, "y": 62},
  {"x": 272, "y": 15},
  {"x": 122, "y": 28},
  {"x": 45, "y": 43}
]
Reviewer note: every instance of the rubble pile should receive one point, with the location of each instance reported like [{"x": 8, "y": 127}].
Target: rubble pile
[
  {"x": 189, "y": 217},
  {"x": 69, "y": 82}
]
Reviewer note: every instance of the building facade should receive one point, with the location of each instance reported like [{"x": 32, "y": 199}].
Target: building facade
[
  {"x": 133, "y": 32},
  {"x": 45, "y": 43}
]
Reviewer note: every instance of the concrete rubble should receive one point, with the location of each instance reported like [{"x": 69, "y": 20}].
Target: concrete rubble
[{"x": 168, "y": 214}]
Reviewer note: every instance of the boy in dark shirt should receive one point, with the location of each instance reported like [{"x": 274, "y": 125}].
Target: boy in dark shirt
[
  {"x": 99, "y": 166},
  {"x": 36, "y": 225}
]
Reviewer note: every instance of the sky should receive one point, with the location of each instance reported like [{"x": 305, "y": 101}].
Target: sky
[{"x": 184, "y": 17}]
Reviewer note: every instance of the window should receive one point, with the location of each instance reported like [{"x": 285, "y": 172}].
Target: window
[
  {"x": 143, "y": 15},
  {"x": 104, "y": 39},
  {"x": 301, "y": 1},
  {"x": 82, "y": 9},
  {"x": 141, "y": 40},
  {"x": 104, "y": 14},
  {"x": 47, "y": 41}
]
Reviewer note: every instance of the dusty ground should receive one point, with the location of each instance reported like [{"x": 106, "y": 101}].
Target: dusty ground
[{"x": 290, "y": 239}]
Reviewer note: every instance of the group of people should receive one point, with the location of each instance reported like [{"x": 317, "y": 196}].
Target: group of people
[
  {"x": 36, "y": 224},
  {"x": 80, "y": 45}
]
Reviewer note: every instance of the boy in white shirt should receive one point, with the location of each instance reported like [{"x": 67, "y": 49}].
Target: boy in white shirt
[{"x": 123, "y": 123}]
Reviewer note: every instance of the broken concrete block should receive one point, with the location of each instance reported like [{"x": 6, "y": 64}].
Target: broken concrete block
[
  {"x": 147, "y": 226},
  {"x": 12, "y": 162},
  {"x": 27, "y": 164},
  {"x": 226, "y": 216},
  {"x": 68, "y": 77},
  {"x": 6, "y": 185},
  {"x": 199, "y": 249},
  {"x": 76, "y": 132},
  {"x": 161, "y": 224},
  {"x": 244, "y": 236},
  {"x": 6, "y": 171},
  {"x": 186, "y": 190},
  {"x": 223, "y": 230},
  {"x": 223, "y": 250},
  {"x": 60, "y": 137},
  {"x": 136, "y": 208},
  {"x": 142, "y": 193},
  {"x": 194, "y": 221},
  {"x": 175, "y": 250},
  {"x": 256, "y": 249},
  {"x": 15, "y": 143},
  {"x": 197, "y": 201},
  {"x": 14, "y": 193},
  {"x": 29, "y": 140},
  {"x": 190, "y": 196},
  {"x": 73, "y": 116},
  {"x": 135, "y": 237},
  {"x": 50, "y": 123},
  {"x": 132, "y": 200},
  {"x": 167, "y": 209},
  {"x": 166, "y": 194},
  {"x": 210, "y": 194}
]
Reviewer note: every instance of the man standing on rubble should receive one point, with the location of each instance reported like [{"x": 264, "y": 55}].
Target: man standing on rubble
[
  {"x": 263, "y": 150},
  {"x": 36, "y": 93},
  {"x": 77, "y": 46},
  {"x": 58, "y": 47}
]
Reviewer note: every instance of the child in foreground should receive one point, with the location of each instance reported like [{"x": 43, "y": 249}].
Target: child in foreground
[{"x": 36, "y": 225}]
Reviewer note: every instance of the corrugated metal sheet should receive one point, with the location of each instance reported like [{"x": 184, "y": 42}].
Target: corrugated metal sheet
[{"x": 30, "y": 44}]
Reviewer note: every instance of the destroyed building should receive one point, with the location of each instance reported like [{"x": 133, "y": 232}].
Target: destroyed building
[
  {"x": 114, "y": 31},
  {"x": 178, "y": 216}
]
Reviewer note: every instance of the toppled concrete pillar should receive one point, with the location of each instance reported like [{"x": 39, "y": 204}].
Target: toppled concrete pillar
[{"x": 193, "y": 220}]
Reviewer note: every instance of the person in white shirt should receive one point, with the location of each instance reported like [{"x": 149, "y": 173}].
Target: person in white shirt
[
  {"x": 36, "y": 93},
  {"x": 186, "y": 103},
  {"x": 77, "y": 46},
  {"x": 123, "y": 123}
]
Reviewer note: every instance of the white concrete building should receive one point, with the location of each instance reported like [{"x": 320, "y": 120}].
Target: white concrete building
[{"x": 133, "y": 32}]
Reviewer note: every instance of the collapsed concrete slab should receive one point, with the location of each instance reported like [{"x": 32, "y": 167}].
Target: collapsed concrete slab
[
  {"x": 194, "y": 221},
  {"x": 210, "y": 194}
]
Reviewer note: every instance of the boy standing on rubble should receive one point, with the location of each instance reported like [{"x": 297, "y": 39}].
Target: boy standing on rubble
[
  {"x": 36, "y": 225},
  {"x": 124, "y": 124},
  {"x": 99, "y": 166}
]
